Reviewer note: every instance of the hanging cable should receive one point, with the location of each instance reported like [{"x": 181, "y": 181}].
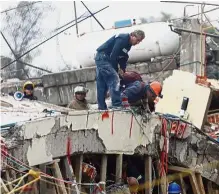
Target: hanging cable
[{"x": 19, "y": 57}]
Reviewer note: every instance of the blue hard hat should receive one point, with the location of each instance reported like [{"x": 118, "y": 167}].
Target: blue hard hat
[{"x": 174, "y": 188}]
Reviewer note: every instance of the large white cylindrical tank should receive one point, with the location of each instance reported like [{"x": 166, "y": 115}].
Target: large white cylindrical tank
[{"x": 159, "y": 41}]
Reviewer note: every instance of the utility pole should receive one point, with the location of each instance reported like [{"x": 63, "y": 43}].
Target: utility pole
[{"x": 76, "y": 21}]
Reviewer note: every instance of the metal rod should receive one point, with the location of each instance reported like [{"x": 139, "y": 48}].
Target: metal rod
[
  {"x": 15, "y": 56},
  {"x": 20, "y": 6},
  {"x": 76, "y": 21},
  {"x": 190, "y": 2},
  {"x": 50, "y": 38},
  {"x": 195, "y": 32},
  {"x": 93, "y": 15},
  {"x": 66, "y": 24},
  {"x": 197, "y": 14},
  {"x": 20, "y": 60}
]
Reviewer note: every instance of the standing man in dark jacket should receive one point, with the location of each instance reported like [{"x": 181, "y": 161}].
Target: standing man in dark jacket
[{"x": 111, "y": 60}]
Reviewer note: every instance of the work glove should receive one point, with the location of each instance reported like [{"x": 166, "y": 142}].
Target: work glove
[
  {"x": 121, "y": 73},
  {"x": 125, "y": 102}
]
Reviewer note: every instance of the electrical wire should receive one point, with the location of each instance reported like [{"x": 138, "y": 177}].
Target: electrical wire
[{"x": 173, "y": 57}]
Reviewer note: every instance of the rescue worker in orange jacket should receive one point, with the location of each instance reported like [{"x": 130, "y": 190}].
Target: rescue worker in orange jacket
[{"x": 137, "y": 91}]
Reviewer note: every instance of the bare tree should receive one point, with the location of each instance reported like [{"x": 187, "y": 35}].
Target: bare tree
[
  {"x": 21, "y": 27},
  {"x": 165, "y": 16},
  {"x": 143, "y": 20}
]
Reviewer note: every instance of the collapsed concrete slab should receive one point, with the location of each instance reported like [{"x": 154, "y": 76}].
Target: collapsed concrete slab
[
  {"x": 43, "y": 136},
  {"x": 183, "y": 84}
]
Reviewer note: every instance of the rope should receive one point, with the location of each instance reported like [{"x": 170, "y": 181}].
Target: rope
[
  {"x": 46, "y": 181},
  {"x": 112, "y": 126},
  {"x": 34, "y": 174}
]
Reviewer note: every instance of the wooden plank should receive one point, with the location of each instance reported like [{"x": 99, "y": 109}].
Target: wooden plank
[
  {"x": 78, "y": 169},
  {"x": 180, "y": 169},
  {"x": 69, "y": 172},
  {"x": 103, "y": 168},
  {"x": 3, "y": 186},
  {"x": 148, "y": 174},
  {"x": 33, "y": 186},
  {"x": 103, "y": 171},
  {"x": 210, "y": 188},
  {"x": 42, "y": 185},
  {"x": 58, "y": 174},
  {"x": 162, "y": 181},
  {"x": 194, "y": 184},
  {"x": 200, "y": 183},
  {"x": 8, "y": 179},
  {"x": 182, "y": 184},
  {"x": 70, "y": 176},
  {"x": 119, "y": 160}
]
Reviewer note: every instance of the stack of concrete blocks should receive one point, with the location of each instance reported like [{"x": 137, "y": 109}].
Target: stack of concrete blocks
[{"x": 58, "y": 88}]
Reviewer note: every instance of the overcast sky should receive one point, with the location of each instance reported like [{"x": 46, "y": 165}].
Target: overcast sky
[{"x": 60, "y": 50}]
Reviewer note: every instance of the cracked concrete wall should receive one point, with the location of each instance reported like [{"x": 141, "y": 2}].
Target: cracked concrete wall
[
  {"x": 198, "y": 153},
  {"x": 40, "y": 141},
  {"x": 58, "y": 88}
]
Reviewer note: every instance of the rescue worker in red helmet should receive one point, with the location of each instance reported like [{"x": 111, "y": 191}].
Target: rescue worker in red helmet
[{"x": 137, "y": 91}]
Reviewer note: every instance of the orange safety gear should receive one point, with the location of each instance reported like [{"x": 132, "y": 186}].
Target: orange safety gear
[{"x": 156, "y": 88}]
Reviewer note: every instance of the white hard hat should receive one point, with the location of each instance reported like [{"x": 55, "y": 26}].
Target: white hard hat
[{"x": 80, "y": 89}]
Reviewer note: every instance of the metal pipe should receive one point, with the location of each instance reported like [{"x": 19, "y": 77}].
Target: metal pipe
[
  {"x": 184, "y": 14},
  {"x": 194, "y": 32},
  {"x": 190, "y": 2},
  {"x": 50, "y": 38},
  {"x": 93, "y": 15},
  {"x": 185, "y": 9},
  {"x": 76, "y": 21},
  {"x": 20, "y": 60},
  {"x": 196, "y": 14}
]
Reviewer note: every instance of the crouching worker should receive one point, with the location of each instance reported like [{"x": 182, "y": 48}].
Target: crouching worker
[
  {"x": 138, "y": 93},
  {"x": 79, "y": 102},
  {"x": 28, "y": 90}
]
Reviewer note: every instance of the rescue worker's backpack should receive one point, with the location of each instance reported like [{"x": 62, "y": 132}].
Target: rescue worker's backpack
[{"x": 130, "y": 77}]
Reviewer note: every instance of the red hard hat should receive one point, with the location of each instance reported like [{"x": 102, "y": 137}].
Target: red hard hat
[{"x": 156, "y": 88}]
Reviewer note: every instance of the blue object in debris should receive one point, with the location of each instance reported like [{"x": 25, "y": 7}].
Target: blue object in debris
[
  {"x": 123, "y": 23},
  {"x": 174, "y": 188}
]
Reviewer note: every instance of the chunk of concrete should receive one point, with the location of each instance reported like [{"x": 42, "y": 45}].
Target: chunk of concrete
[{"x": 182, "y": 84}]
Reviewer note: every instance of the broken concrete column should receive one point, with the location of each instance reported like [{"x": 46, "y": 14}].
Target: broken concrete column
[{"x": 192, "y": 48}]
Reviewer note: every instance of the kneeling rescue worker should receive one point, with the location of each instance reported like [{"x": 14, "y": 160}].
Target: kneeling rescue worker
[
  {"x": 139, "y": 91},
  {"x": 79, "y": 102},
  {"x": 111, "y": 61},
  {"x": 28, "y": 89}
]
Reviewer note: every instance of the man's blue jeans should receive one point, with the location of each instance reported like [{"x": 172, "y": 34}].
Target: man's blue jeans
[{"x": 106, "y": 78}]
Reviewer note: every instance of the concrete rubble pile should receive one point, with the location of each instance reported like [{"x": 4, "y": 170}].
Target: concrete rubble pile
[{"x": 37, "y": 132}]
